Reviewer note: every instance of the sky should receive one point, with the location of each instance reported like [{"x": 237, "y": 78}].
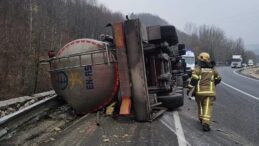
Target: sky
[{"x": 237, "y": 18}]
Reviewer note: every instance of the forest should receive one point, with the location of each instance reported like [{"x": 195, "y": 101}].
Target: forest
[
  {"x": 214, "y": 41},
  {"x": 30, "y": 28}
]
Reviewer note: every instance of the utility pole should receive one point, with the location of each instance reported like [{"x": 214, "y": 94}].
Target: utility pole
[
  {"x": 30, "y": 25},
  {"x": 34, "y": 52}
]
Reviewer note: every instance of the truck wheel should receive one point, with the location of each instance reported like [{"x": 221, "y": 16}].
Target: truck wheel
[
  {"x": 179, "y": 89},
  {"x": 168, "y": 34},
  {"x": 171, "y": 101}
]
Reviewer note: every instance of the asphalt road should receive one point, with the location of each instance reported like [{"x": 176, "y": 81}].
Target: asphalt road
[
  {"x": 238, "y": 105},
  {"x": 235, "y": 122}
]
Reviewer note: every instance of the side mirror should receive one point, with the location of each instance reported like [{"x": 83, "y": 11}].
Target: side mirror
[
  {"x": 181, "y": 46},
  {"x": 181, "y": 49}
]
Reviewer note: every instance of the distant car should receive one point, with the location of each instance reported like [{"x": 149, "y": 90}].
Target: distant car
[
  {"x": 250, "y": 62},
  {"x": 244, "y": 65}
]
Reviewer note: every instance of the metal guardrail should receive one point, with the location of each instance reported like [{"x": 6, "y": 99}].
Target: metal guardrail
[
  {"x": 12, "y": 121},
  {"x": 25, "y": 98}
]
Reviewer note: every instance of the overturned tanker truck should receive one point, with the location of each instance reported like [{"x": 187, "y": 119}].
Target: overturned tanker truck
[{"x": 139, "y": 67}]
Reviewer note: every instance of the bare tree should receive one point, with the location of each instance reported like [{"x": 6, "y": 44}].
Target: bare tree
[
  {"x": 32, "y": 27},
  {"x": 213, "y": 40}
]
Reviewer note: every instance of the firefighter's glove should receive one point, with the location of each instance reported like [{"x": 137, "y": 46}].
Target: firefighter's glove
[
  {"x": 189, "y": 89},
  {"x": 194, "y": 80}
]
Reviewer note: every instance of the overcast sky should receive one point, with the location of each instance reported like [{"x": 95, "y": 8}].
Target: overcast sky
[{"x": 238, "y": 18}]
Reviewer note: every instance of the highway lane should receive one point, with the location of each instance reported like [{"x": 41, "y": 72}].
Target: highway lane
[
  {"x": 240, "y": 112},
  {"x": 235, "y": 122},
  {"x": 245, "y": 84}
]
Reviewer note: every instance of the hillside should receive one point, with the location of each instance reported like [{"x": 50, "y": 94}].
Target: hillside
[
  {"x": 253, "y": 47},
  {"x": 149, "y": 19}
]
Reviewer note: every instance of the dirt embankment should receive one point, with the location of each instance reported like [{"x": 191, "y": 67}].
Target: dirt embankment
[{"x": 253, "y": 72}]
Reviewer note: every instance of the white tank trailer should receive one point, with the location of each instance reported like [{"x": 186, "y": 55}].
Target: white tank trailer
[{"x": 84, "y": 73}]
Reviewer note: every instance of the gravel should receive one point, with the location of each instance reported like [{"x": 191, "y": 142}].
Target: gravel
[
  {"x": 253, "y": 72},
  {"x": 43, "y": 130}
]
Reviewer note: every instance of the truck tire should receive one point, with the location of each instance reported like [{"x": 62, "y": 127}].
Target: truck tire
[
  {"x": 168, "y": 34},
  {"x": 171, "y": 101},
  {"x": 179, "y": 89}
]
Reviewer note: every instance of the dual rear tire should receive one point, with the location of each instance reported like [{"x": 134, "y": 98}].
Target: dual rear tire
[{"x": 173, "y": 100}]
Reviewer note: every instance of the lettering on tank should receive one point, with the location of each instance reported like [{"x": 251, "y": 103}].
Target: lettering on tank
[{"x": 89, "y": 83}]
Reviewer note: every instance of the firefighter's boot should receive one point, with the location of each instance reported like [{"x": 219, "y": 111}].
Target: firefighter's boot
[{"x": 206, "y": 127}]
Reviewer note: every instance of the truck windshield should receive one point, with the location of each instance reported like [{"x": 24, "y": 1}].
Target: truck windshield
[
  {"x": 236, "y": 60},
  {"x": 189, "y": 60}
]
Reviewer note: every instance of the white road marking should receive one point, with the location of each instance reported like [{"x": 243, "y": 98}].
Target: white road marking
[
  {"x": 243, "y": 92},
  {"x": 235, "y": 72},
  {"x": 179, "y": 130}
]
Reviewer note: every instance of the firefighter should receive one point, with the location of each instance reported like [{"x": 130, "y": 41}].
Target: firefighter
[{"x": 204, "y": 79}]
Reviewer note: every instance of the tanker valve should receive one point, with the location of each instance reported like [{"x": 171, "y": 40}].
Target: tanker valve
[{"x": 51, "y": 54}]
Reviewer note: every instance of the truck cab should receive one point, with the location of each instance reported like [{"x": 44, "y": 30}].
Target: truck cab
[{"x": 236, "y": 61}]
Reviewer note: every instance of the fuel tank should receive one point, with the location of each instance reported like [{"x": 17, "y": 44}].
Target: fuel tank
[{"x": 84, "y": 72}]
